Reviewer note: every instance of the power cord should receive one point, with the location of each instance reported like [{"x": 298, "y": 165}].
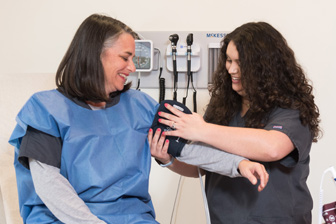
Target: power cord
[
  {"x": 138, "y": 86},
  {"x": 162, "y": 81}
]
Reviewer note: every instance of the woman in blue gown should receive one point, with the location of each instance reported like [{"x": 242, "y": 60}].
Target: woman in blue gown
[{"x": 82, "y": 153}]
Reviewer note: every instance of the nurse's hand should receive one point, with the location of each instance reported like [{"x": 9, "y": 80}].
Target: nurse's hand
[
  {"x": 254, "y": 171},
  {"x": 187, "y": 126},
  {"x": 159, "y": 146}
]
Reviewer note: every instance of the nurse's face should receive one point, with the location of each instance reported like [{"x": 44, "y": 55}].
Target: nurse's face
[
  {"x": 118, "y": 62},
  {"x": 233, "y": 67}
]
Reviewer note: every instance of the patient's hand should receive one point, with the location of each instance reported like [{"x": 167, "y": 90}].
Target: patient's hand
[
  {"x": 159, "y": 146},
  {"x": 254, "y": 171}
]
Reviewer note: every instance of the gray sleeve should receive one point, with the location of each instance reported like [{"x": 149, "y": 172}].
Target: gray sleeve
[
  {"x": 211, "y": 159},
  {"x": 288, "y": 122},
  {"x": 59, "y": 196}
]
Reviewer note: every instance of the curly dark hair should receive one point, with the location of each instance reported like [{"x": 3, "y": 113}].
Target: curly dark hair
[{"x": 271, "y": 77}]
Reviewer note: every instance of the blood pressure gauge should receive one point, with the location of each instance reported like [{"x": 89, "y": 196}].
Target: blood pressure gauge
[{"x": 143, "y": 59}]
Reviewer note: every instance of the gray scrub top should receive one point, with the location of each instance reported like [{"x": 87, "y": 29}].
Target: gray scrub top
[{"x": 286, "y": 198}]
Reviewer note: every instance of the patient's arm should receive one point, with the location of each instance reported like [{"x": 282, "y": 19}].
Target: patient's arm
[
  {"x": 59, "y": 196},
  {"x": 217, "y": 161},
  {"x": 211, "y": 159}
]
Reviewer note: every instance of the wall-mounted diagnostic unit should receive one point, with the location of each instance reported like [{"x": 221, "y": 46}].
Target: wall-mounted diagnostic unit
[{"x": 158, "y": 57}]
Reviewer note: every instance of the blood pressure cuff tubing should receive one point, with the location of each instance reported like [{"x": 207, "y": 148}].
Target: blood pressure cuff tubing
[{"x": 176, "y": 144}]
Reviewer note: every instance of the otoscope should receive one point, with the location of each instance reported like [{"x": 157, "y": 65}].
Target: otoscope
[
  {"x": 190, "y": 40},
  {"x": 173, "y": 39}
]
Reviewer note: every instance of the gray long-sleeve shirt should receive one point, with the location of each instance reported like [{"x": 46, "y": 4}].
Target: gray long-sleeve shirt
[{"x": 211, "y": 159}]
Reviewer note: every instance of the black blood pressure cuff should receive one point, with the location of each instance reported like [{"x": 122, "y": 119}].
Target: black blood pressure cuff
[{"x": 176, "y": 144}]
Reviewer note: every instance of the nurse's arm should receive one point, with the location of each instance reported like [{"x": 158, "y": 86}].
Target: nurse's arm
[{"x": 256, "y": 144}]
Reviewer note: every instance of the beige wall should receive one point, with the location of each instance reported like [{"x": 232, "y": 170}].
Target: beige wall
[{"x": 36, "y": 33}]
